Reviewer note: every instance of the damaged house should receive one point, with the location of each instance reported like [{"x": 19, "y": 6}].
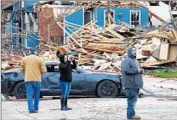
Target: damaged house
[
  {"x": 22, "y": 24},
  {"x": 99, "y": 34},
  {"x": 30, "y": 22},
  {"x": 128, "y": 13}
]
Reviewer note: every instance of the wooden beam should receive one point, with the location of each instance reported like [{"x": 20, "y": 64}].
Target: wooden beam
[
  {"x": 69, "y": 35},
  {"x": 148, "y": 64},
  {"x": 174, "y": 33},
  {"x": 106, "y": 48},
  {"x": 115, "y": 33}
]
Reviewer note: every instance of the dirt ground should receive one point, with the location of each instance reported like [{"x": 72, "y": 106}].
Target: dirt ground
[{"x": 163, "y": 107}]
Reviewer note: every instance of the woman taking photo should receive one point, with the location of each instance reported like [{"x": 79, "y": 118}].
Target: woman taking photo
[{"x": 67, "y": 63}]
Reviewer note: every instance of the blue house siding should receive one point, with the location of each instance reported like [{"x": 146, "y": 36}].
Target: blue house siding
[
  {"x": 28, "y": 3},
  {"x": 8, "y": 28},
  {"x": 16, "y": 6},
  {"x": 15, "y": 9},
  {"x": 32, "y": 40},
  {"x": 25, "y": 4},
  {"x": 100, "y": 17},
  {"x": 76, "y": 18},
  {"x": 121, "y": 15},
  {"x": 144, "y": 16}
]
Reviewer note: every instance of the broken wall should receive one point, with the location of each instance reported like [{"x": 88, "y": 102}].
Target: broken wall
[
  {"x": 157, "y": 10},
  {"x": 48, "y": 29},
  {"x": 122, "y": 15}
]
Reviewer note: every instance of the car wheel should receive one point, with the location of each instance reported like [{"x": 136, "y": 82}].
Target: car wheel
[
  {"x": 107, "y": 89},
  {"x": 20, "y": 91}
]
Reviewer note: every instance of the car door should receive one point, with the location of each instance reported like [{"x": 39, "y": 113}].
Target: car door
[
  {"x": 50, "y": 79},
  {"x": 78, "y": 83}
]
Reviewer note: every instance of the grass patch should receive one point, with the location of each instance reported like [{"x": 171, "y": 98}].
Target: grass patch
[{"x": 165, "y": 73}]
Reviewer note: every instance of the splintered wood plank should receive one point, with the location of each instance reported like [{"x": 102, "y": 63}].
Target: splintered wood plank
[
  {"x": 106, "y": 34},
  {"x": 161, "y": 34},
  {"x": 49, "y": 46},
  {"x": 115, "y": 33},
  {"x": 105, "y": 48},
  {"x": 167, "y": 34},
  {"x": 111, "y": 41},
  {"x": 80, "y": 50},
  {"x": 174, "y": 33},
  {"x": 69, "y": 35},
  {"x": 111, "y": 18},
  {"x": 148, "y": 64}
]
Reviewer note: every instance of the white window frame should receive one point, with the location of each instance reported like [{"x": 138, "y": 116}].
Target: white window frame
[
  {"x": 105, "y": 16},
  {"x": 139, "y": 16}
]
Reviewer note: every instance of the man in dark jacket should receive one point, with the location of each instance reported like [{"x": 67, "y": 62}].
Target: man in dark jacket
[
  {"x": 131, "y": 81},
  {"x": 67, "y": 63}
]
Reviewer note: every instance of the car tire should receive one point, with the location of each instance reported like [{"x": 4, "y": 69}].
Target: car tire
[
  {"x": 20, "y": 91},
  {"x": 107, "y": 89}
]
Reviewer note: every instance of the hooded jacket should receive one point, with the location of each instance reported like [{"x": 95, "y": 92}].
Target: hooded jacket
[
  {"x": 66, "y": 69},
  {"x": 131, "y": 76}
]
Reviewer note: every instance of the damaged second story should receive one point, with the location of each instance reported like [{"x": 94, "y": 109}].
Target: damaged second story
[
  {"x": 30, "y": 23},
  {"x": 21, "y": 23}
]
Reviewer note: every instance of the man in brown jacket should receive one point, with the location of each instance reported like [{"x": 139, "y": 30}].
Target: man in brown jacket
[{"x": 32, "y": 67}]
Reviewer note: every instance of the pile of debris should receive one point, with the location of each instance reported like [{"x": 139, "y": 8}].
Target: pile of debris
[
  {"x": 157, "y": 47},
  {"x": 98, "y": 47},
  {"x": 10, "y": 61},
  {"x": 6, "y": 45},
  {"x": 103, "y": 49}
]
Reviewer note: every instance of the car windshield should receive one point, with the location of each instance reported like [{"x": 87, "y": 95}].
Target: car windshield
[{"x": 54, "y": 67}]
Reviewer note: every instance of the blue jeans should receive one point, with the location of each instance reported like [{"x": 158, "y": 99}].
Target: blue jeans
[
  {"x": 65, "y": 89},
  {"x": 33, "y": 95},
  {"x": 132, "y": 95}
]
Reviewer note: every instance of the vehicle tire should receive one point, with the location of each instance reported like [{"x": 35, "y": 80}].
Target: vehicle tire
[
  {"x": 107, "y": 89},
  {"x": 20, "y": 91}
]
